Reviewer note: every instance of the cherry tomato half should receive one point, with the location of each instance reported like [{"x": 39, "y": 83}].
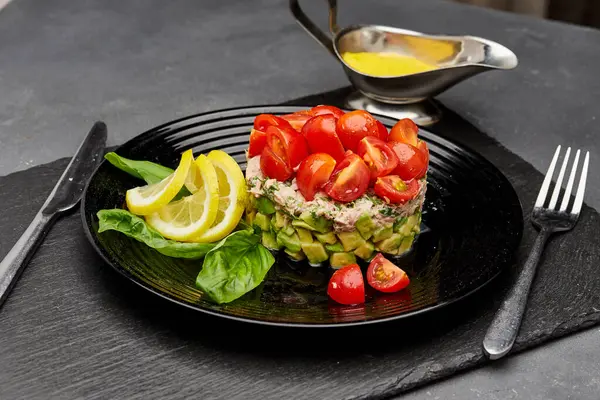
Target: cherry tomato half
[
  {"x": 347, "y": 285},
  {"x": 321, "y": 136},
  {"x": 349, "y": 180},
  {"x": 313, "y": 173},
  {"x": 405, "y": 131},
  {"x": 378, "y": 156},
  {"x": 425, "y": 150},
  {"x": 412, "y": 162},
  {"x": 324, "y": 110},
  {"x": 394, "y": 190},
  {"x": 287, "y": 144},
  {"x": 258, "y": 141},
  {"x": 386, "y": 277},
  {"x": 383, "y": 132},
  {"x": 262, "y": 121},
  {"x": 297, "y": 120},
  {"x": 274, "y": 166},
  {"x": 354, "y": 126}
]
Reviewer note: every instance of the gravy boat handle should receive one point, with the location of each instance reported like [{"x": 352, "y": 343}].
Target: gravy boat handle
[{"x": 312, "y": 29}]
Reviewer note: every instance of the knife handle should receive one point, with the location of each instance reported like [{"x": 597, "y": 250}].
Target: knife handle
[{"x": 13, "y": 264}]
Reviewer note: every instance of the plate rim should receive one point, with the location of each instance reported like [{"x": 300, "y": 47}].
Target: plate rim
[{"x": 91, "y": 239}]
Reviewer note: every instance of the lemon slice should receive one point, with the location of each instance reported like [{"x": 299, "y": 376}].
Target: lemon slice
[
  {"x": 192, "y": 215},
  {"x": 232, "y": 197},
  {"x": 193, "y": 180},
  {"x": 145, "y": 200}
]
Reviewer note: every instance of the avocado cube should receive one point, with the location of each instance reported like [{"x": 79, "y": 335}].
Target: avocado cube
[
  {"x": 327, "y": 238},
  {"x": 304, "y": 235},
  {"x": 399, "y": 224},
  {"x": 405, "y": 230},
  {"x": 383, "y": 233},
  {"x": 315, "y": 252},
  {"x": 265, "y": 206},
  {"x": 350, "y": 240},
  {"x": 417, "y": 228},
  {"x": 365, "y": 251},
  {"x": 269, "y": 241},
  {"x": 280, "y": 221},
  {"x": 296, "y": 255},
  {"x": 339, "y": 260},
  {"x": 290, "y": 242},
  {"x": 262, "y": 221},
  {"x": 316, "y": 223},
  {"x": 334, "y": 248},
  {"x": 250, "y": 217},
  {"x": 251, "y": 204},
  {"x": 288, "y": 230},
  {"x": 365, "y": 226},
  {"x": 299, "y": 224},
  {"x": 406, "y": 244},
  {"x": 391, "y": 244},
  {"x": 413, "y": 220}
]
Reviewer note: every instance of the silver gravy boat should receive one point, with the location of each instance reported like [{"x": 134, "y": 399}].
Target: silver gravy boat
[{"x": 456, "y": 57}]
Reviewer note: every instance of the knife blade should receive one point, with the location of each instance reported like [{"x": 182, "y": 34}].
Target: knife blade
[
  {"x": 65, "y": 195},
  {"x": 69, "y": 188}
]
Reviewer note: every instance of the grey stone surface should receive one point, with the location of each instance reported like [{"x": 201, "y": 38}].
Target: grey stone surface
[{"x": 135, "y": 64}]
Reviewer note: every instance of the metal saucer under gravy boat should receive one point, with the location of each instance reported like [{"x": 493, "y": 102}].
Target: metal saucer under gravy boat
[{"x": 456, "y": 58}]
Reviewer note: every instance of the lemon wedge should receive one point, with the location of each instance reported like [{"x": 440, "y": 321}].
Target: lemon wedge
[
  {"x": 192, "y": 215},
  {"x": 232, "y": 197},
  {"x": 194, "y": 180},
  {"x": 145, "y": 200}
]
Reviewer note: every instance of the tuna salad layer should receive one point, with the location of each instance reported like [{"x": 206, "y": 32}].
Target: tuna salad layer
[{"x": 288, "y": 199}]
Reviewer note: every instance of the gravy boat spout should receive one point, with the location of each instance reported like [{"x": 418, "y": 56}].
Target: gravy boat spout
[{"x": 454, "y": 58}]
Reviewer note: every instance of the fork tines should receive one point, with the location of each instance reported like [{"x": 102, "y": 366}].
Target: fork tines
[{"x": 542, "y": 196}]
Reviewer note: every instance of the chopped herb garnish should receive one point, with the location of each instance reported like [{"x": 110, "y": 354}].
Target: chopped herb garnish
[{"x": 387, "y": 211}]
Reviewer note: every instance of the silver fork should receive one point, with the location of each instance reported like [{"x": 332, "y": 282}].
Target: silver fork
[{"x": 503, "y": 330}]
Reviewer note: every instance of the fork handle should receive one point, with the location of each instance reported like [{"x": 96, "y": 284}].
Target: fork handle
[
  {"x": 13, "y": 264},
  {"x": 503, "y": 330}
]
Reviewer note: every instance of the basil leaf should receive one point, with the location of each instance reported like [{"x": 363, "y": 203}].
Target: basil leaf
[
  {"x": 146, "y": 170},
  {"x": 235, "y": 266},
  {"x": 135, "y": 227}
]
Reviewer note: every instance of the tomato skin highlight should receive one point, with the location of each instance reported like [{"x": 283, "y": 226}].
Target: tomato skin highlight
[
  {"x": 386, "y": 277},
  {"x": 263, "y": 121},
  {"x": 324, "y": 110},
  {"x": 405, "y": 131},
  {"x": 382, "y": 132},
  {"x": 378, "y": 156},
  {"x": 425, "y": 151},
  {"x": 258, "y": 141},
  {"x": 273, "y": 166},
  {"x": 313, "y": 173},
  {"x": 297, "y": 120},
  {"x": 320, "y": 133},
  {"x": 349, "y": 180},
  {"x": 347, "y": 285},
  {"x": 287, "y": 144},
  {"x": 412, "y": 162},
  {"x": 354, "y": 126}
]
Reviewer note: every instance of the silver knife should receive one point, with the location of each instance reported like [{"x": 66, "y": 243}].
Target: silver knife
[{"x": 65, "y": 195}]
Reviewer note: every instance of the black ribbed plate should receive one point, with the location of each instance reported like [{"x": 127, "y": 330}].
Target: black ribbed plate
[{"x": 472, "y": 226}]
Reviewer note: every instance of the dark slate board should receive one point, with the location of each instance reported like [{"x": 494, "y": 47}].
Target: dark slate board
[{"x": 78, "y": 329}]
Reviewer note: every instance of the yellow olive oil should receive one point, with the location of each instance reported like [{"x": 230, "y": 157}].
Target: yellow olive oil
[{"x": 385, "y": 64}]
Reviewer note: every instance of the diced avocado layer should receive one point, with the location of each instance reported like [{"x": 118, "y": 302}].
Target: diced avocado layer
[
  {"x": 365, "y": 251},
  {"x": 315, "y": 252},
  {"x": 340, "y": 260},
  {"x": 310, "y": 237},
  {"x": 365, "y": 226}
]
